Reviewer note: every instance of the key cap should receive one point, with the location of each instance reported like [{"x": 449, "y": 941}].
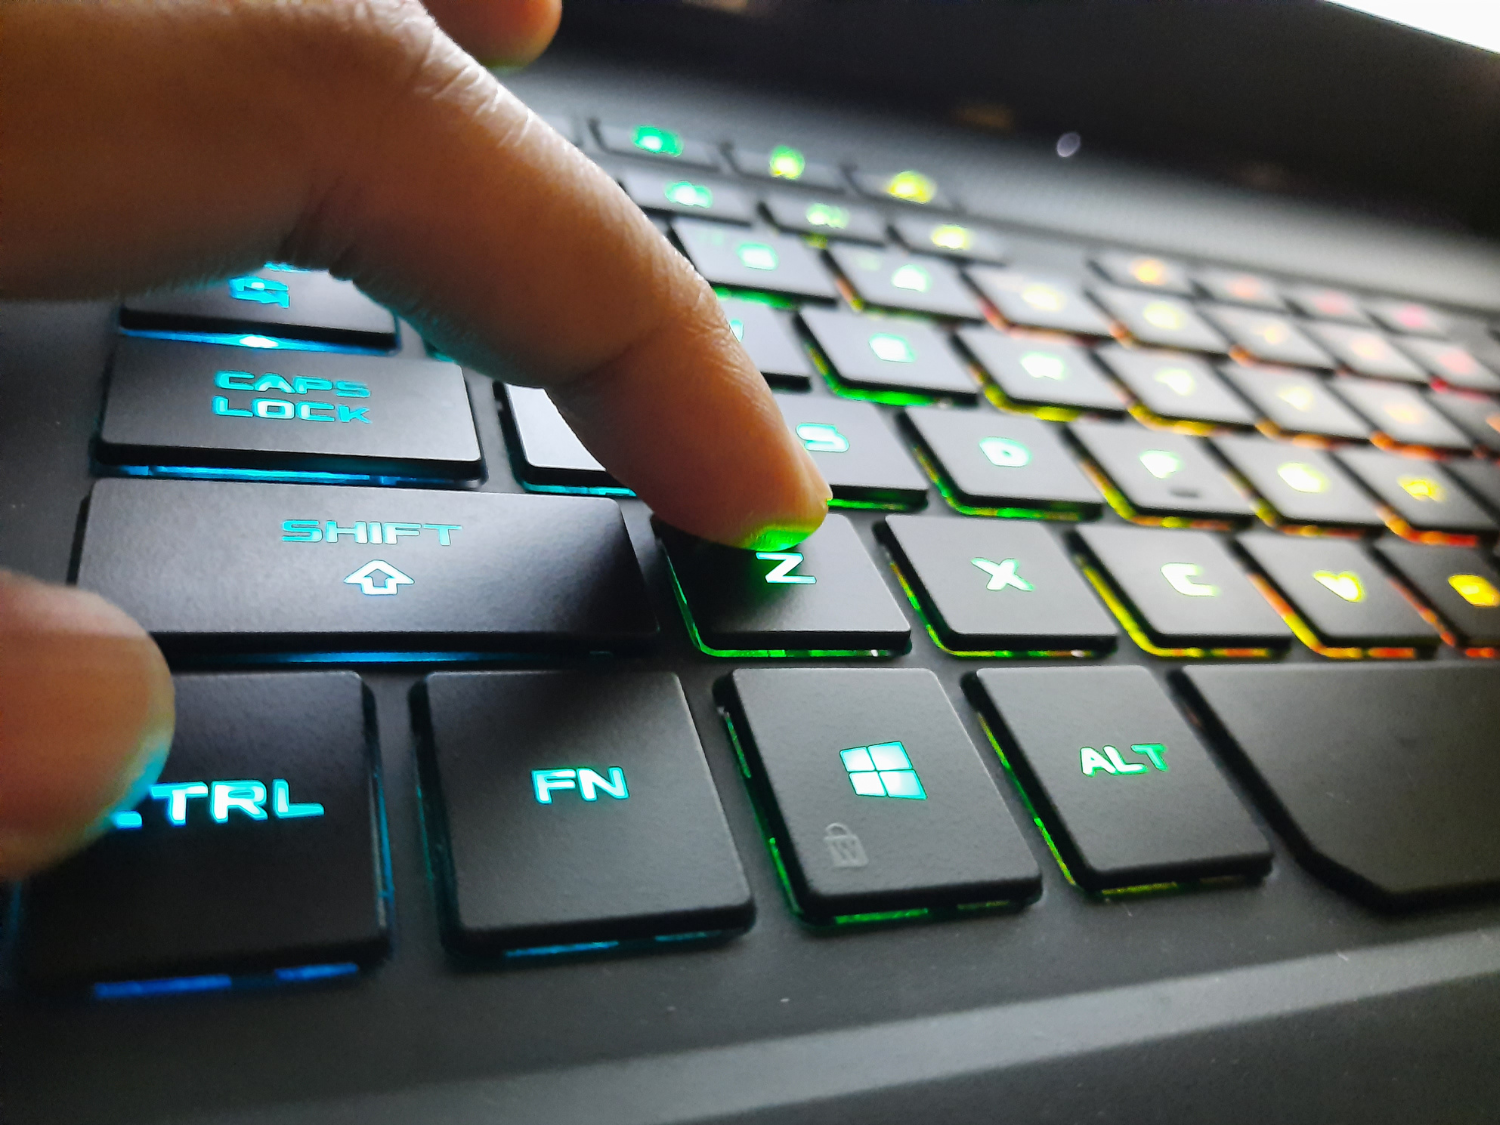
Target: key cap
[
  {"x": 1267, "y": 336},
  {"x": 1408, "y": 317},
  {"x": 1238, "y": 288},
  {"x": 1365, "y": 351},
  {"x": 1382, "y": 777},
  {"x": 1184, "y": 589},
  {"x": 876, "y": 797},
  {"x": 261, "y": 569},
  {"x": 175, "y": 406},
  {"x": 1163, "y": 321},
  {"x": 1421, "y": 492},
  {"x": 858, "y": 455},
  {"x": 1175, "y": 385},
  {"x": 892, "y": 279},
  {"x": 1339, "y": 592},
  {"x": 1145, "y": 271},
  {"x": 1399, "y": 412},
  {"x": 768, "y": 336},
  {"x": 662, "y": 144},
  {"x": 1296, "y": 402},
  {"x": 952, "y": 240},
  {"x": 664, "y": 191},
  {"x": 1459, "y": 582},
  {"x": 1042, "y": 372},
  {"x": 1454, "y": 365},
  {"x": 602, "y": 828},
  {"x": 1039, "y": 301},
  {"x": 258, "y": 851},
  {"x": 1303, "y": 486},
  {"x": 786, "y": 164},
  {"x": 545, "y": 452},
  {"x": 882, "y": 354},
  {"x": 1004, "y": 464},
  {"x": 811, "y": 214},
  {"x": 754, "y": 259},
  {"x": 905, "y": 186},
  {"x": 1161, "y": 474},
  {"x": 993, "y": 585},
  {"x": 825, "y": 598},
  {"x": 1480, "y": 478},
  {"x": 1323, "y": 303},
  {"x": 1128, "y": 793},
  {"x": 277, "y": 301}
]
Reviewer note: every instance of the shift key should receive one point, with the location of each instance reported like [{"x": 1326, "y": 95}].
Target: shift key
[{"x": 267, "y": 569}]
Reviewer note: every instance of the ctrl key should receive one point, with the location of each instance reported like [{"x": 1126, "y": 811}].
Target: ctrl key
[{"x": 257, "y": 855}]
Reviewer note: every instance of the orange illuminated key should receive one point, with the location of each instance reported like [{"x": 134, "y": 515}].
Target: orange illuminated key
[
  {"x": 1236, "y": 288},
  {"x": 1366, "y": 351},
  {"x": 1145, "y": 271}
]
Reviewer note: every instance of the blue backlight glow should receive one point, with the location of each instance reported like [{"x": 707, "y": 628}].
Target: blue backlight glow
[
  {"x": 560, "y": 950},
  {"x": 251, "y": 340},
  {"x": 317, "y": 972},
  {"x": 163, "y": 986}
]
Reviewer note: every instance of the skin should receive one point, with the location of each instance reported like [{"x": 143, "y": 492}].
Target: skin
[{"x": 149, "y": 143}]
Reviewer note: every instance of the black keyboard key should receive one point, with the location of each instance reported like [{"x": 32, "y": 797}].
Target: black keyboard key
[
  {"x": 1322, "y": 303},
  {"x": 215, "y": 568},
  {"x": 1420, "y": 492},
  {"x": 1268, "y": 337},
  {"x": 786, "y": 164},
  {"x": 1365, "y": 351},
  {"x": 1476, "y": 416},
  {"x": 256, "y": 853},
  {"x": 905, "y": 186},
  {"x": 545, "y": 452},
  {"x": 1382, "y": 777},
  {"x": 771, "y": 342},
  {"x": 1339, "y": 592},
  {"x": 277, "y": 301},
  {"x": 896, "y": 280},
  {"x": 662, "y": 191},
  {"x": 1176, "y": 385},
  {"x": 1302, "y": 485},
  {"x": 754, "y": 259},
  {"x": 990, "y": 586},
  {"x": 1410, "y": 317},
  {"x": 885, "y": 354},
  {"x": 832, "y": 217},
  {"x": 1236, "y": 287},
  {"x": 952, "y": 240},
  {"x": 1162, "y": 475},
  {"x": 1400, "y": 412},
  {"x": 1128, "y": 793},
  {"x": 1039, "y": 300},
  {"x": 1296, "y": 402},
  {"x": 1165, "y": 322},
  {"x": 1004, "y": 464},
  {"x": 877, "y": 799},
  {"x": 1045, "y": 373},
  {"x": 826, "y": 598},
  {"x": 1185, "y": 590},
  {"x": 1480, "y": 478},
  {"x": 1451, "y": 363},
  {"x": 174, "y": 406},
  {"x": 1459, "y": 582},
  {"x": 1145, "y": 271},
  {"x": 599, "y": 829},
  {"x": 860, "y": 458},
  {"x": 662, "y": 144}
]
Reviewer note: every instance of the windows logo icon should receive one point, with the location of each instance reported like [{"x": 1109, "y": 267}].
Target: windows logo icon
[{"x": 882, "y": 770}]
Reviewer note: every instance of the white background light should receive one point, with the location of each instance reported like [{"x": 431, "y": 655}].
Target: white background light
[{"x": 1469, "y": 21}]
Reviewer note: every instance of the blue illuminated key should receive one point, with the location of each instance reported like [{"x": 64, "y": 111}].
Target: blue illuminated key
[{"x": 257, "y": 852}]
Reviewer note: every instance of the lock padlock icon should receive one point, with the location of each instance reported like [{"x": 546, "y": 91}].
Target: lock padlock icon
[{"x": 844, "y": 847}]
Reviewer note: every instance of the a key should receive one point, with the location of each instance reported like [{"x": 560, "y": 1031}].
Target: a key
[
  {"x": 546, "y": 453},
  {"x": 1161, "y": 474},
  {"x": 214, "y": 568},
  {"x": 860, "y": 458},
  {"x": 785, "y": 164},
  {"x": 1267, "y": 337},
  {"x": 1039, "y": 300},
  {"x": 892, "y": 279},
  {"x": 877, "y": 799},
  {"x": 823, "y": 598},
  {"x": 1451, "y": 363},
  {"x": 256, "y": 853},
  {"x": 754, "y": 259},
  {"x": 1480, "y": 478},
  {"x": 1145, "y": 271},
  {"x": 1165, "y": 322},
  {"x": 1004, "y": 463},
  {"x": 175, "y": 406},
  {"x": 1400, "y": 412},
  {"x": 601, "y": 828},
  {"x": 664, "y": 191},
  {"x": 1420, "y": 492},
  {"x": 771, "y": 341},
  {"x": 952, "y": 240},
  {"x": 998, "y": 586},
  {"x": 1337, "y": 589},
  {"x": 1176, "y": 385},
  {"x": 1044, "y": 373},
  {"x": 1365, "y": 351},
  {"x": 904, "y": 186},
  {"x": 887, "y": 354},
  {"x": 1128, "y": 793},
  {"x": 833, "y": 217},
  {"x": 1296, "y": 402},
  {"x": 1461, "y": 583},
  {"x": 1408, "y": 317},
  {"x": 1302, "y": 485},
  {"x": 278, "y": 301},
  {"x": 654, "y": 141},
  {"x": 1322, "y": 303},
  {"x": 1184, "y": 589},
  {"x": 1238, "y": 288},
  {"x": 1383, "y": 778}
]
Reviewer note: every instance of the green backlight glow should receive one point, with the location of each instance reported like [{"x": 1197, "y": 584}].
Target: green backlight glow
[
  {"x": 948, "y": 494},
  {"x": 1133, "y": 628},
  {"x": 1026, "y": 800},
  {"x": 774, "y": 300},
  {"x": 648, "y": 138},
  {"x": 827, "y": 215},
  {"x": 992, "y": 654},
  {"x": 1010, "y": 406},
  {"x": 685, "y": 193},
  {"x": 786, "y": 163},
  {"x": 844, "y": 390}
]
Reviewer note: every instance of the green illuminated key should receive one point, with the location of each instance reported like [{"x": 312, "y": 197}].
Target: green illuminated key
[
  {"x": 906, "y": 185},
  {"x": 787, "y": 164},
  {"x": 1160, "y": 320},
  {"x": 769, "y": 337},
  {"x": 831, "y": 216},
  {"x": 1039, "y": 300},
  {"x": 1162, "y": 474},
  {"x": 905, "y": 281},
  {"x": 1297, "y": 402},
  {"x": 1302, "y": 485},
  {"x": 1042, "y": 372},
  {"x": 754, "y": 259},
  {"x": 860, "y": 458},
  {"x": 1176, "y": 385},
  {"x": 952, "y": 240},
  {"x": 885, "y": 354},
  {"x": 657, "y": 191},
  {"x": 653, "y": 141}
]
